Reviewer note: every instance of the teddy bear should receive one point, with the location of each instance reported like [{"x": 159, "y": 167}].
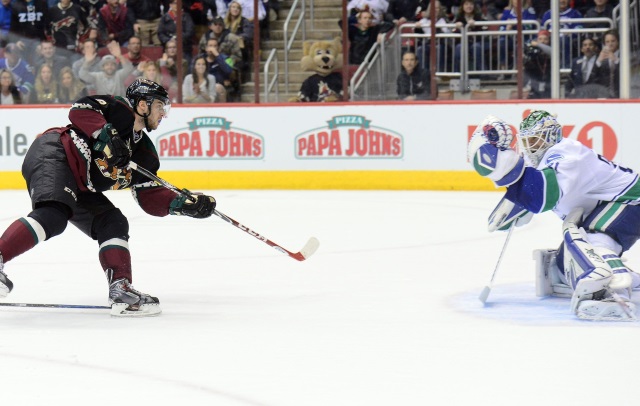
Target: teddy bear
[{"x": 325, "y": 59}]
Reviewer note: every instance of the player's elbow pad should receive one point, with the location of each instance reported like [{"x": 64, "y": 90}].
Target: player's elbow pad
[{"x": 503, "y": 167}]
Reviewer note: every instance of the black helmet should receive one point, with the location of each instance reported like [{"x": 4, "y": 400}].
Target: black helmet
[{"x": 147, "y": 90}]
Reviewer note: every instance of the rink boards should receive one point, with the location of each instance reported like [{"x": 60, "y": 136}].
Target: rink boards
[{"x": 397, "y": 146}]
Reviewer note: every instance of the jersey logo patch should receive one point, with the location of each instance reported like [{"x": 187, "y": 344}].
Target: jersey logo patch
[{"x": 554, "y": 158}]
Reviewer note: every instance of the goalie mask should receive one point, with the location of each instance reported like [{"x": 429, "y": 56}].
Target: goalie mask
[{"x": 538, "y": 132}]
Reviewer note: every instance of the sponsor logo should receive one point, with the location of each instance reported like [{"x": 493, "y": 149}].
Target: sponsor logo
[
  {"x": 349, "y": 136},
  {"x": 210, "y": 138},
  {"x": 554, "y": 158}
]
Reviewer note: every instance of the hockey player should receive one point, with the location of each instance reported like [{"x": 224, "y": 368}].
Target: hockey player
[
  {"x": 598, "y": 200},
  {"x": 68, "y": 168}
]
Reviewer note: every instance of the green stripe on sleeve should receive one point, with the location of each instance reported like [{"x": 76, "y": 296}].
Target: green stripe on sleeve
[{"x": 552, "y": 189}]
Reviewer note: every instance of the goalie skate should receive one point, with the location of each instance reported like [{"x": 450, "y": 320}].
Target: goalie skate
[
  {"x": 125, "y": 301},
  {"x": 606, "y": 310}
]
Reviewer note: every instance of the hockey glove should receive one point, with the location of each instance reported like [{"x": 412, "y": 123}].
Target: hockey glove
[
  {"x": 490, "y": 154},
  {"x": 201, "y": 207},
  {"x": 115, "y": 150}
]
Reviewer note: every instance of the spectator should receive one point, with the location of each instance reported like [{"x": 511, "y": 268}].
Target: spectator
[
  {"x": 537, "y": 66},
  {"x": 199, "y": 86},
  {"x": 5, "y": 21},
  {"x": 566, "y": 12},
  {"x": 235, "y": 23},
  {"x": 45, "y": 86},
  {"x": 608, "y": 63},
  {"x": 115, "y": 22},
  {"x": 602, "y": 9},
  {"x": 402, "y": 11},
  {"x": 377, "y": 8},
  {"x": 506, "y": 45},
  {"x": 9, "y": 93},
  {"x": 22, "y": 72},
  {"x": 583, "y": 83},
  {"x": 28, "y": 25},
  {"x": 363, "y": 35},
  {"x": 134, "y": 51},
  {"x": 423, "y": 50},
  {"x": 48, "y": 56},
  {"x": 153, "y": 71},
  {"x": 90, "y": 48},
  {"x": 228, "y": 43},
  {"x": 247, "y": 9},
  {"x": 168, "y": 63},
  {"x": 66, "y": 21},
  {"x": 146, "y": 14},
  {"x": 467, "y": 17},
  {"x": 167, "y": 29},
  {"x": 70, "y": 88},
  {"x": 111, "y": 79},
  {"x": 413, "y": 82},
  {"x": 218, "y": 64}
]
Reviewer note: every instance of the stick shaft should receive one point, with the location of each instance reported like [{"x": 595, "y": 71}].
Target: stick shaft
[
  {"x": 484, "y": 295},
  {"x": 309, "y": 248}
]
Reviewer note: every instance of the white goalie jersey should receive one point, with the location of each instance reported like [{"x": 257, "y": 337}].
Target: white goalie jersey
[{"x": 571, "y": 175}]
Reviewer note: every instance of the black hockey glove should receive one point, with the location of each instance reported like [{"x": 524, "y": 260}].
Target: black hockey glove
[
  {"x": 201, "y": 208},
  {"x": 113, "y": 147}
]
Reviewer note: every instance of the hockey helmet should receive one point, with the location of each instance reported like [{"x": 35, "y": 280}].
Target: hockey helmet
[
  {"x": 539, "y": 131},
  {"x": 147, "y": 90}
]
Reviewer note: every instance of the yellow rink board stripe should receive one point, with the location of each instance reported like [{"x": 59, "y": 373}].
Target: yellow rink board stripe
[{"x": 309, "y": 180}]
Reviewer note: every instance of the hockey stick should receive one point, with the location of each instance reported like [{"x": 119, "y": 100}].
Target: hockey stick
[
  {"x": 484, "y": 295},
  {"x": 309, "y": 248},
  {"x": 54, "y": 305}
]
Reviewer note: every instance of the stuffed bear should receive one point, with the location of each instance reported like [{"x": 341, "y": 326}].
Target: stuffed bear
[{"x": 323, "y": 58}]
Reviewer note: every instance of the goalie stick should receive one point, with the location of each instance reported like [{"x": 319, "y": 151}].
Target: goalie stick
[
  {"x": 309, "y": 248},
  {"x": 484, "y": 295}
]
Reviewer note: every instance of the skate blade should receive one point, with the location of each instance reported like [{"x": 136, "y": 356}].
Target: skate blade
[{"x": 145, "y": 310}]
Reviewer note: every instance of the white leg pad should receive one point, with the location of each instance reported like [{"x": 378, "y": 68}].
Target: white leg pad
[{"x": 549, "y": 280}]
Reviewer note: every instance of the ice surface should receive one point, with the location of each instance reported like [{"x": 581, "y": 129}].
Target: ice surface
[{"x": 386, "y": 312}]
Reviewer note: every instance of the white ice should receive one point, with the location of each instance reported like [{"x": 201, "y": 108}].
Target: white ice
[{"x": 385, "y": 313}]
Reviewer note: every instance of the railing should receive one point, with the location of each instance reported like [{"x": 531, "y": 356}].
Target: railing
[
  {"x": 288, "y": 43},
  {"x": 369, "y": 82},
  {"x": 633, "y": 23},
  {"x": 270, "y": 84}
]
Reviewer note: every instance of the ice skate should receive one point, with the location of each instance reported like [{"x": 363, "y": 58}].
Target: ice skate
[
  {"x": 125, "y": 301},
  {"x": 5, "y": 284},
  {"x": 606, "y": 310}
]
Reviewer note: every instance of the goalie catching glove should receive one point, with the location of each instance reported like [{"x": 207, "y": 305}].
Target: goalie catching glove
[
  {"x": 200, "y": 206},
  {"x": 115, "y": 150},
  {"x": 490, "y": 153}
]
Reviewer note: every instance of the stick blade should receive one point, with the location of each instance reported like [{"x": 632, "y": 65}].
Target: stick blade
[
  {"x": 309, "y": 248},
  {"x": 484, "y": 295}
]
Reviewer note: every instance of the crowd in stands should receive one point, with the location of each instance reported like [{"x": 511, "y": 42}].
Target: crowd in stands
[
  {"x": 57, "y": 50},
  {"x": 370, "y": 19}
]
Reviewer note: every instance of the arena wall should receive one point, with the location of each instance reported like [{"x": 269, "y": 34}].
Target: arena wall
[{"x": 359, "y": 146}]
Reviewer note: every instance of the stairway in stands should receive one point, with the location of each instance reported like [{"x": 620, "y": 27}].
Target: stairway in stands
[{"x": 324, "y": 27}]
